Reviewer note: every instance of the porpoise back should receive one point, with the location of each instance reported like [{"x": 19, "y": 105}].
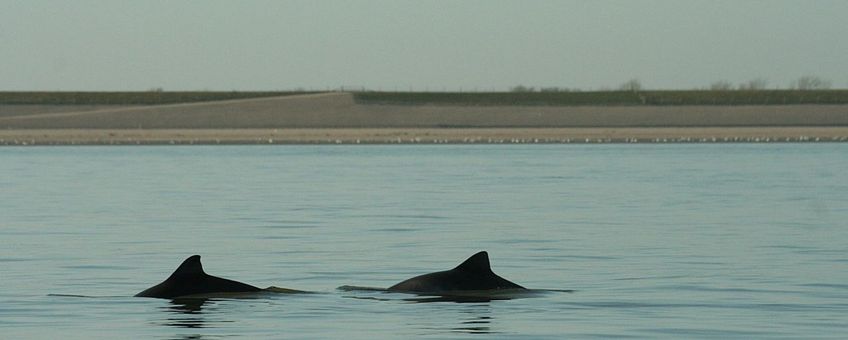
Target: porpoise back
[
  {"x": 190, "y": 279},
  {"x": 475, "y": 274}
]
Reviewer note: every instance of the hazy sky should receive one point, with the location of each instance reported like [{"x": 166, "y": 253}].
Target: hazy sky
[{"x": 432, "y": 45}]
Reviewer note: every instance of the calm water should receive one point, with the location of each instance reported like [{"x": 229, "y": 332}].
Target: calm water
[{"x": 671, "y": 241}]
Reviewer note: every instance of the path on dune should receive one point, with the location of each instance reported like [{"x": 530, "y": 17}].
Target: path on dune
[{"x": 132, "y": 108}]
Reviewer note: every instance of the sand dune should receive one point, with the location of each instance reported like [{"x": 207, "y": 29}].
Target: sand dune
[
  {"x": 339, "y": 110},
  {"x": 336, "y": 118}
]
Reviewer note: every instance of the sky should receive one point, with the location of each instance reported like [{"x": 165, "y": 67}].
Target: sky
[{"x": 470, "y": 45}]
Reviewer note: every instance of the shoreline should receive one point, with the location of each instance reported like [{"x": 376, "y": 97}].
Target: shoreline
[{"x": 21, "y": 137}]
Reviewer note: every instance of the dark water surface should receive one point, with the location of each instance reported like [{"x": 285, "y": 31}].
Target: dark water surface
[{"x": 659, "y": 241}]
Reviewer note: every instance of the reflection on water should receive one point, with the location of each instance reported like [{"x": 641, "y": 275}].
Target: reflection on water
[
  {"x": 473, "y": 318},
  {"x": 472, "y": 314},
  {"x": 470, "y": 296},
  {"x": 433, "y": 298},
  {"x": 457, "y": 299},
  {"x": 478, "y": 320},
  {"x": 186, "y": 313},
  {"x": 457, "y": 296}
]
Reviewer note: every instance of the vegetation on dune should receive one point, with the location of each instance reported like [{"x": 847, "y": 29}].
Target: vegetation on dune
[
  {"x": 499, "y": 98},
  {"x": 154, "y": 97},
  {"x": 746, "y": 97},
  {"x": 518, "y": 96},
  {"x": 804, "y": 90},
  {"x": 570, "y": 98}
]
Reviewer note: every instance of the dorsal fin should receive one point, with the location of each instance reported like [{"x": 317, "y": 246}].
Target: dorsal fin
[
  {"x": 191, "y": 266},
  {"x": 476, "y": 263}
]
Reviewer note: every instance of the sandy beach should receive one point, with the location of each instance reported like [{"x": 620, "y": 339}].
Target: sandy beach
[{"x": 421, "y": 136}]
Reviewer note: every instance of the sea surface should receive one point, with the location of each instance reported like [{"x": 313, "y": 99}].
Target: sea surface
[{"x": 657, "y": 241}]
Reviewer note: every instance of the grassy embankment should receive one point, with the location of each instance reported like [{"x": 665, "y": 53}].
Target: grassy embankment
[{"x": 594, "y": 98}]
